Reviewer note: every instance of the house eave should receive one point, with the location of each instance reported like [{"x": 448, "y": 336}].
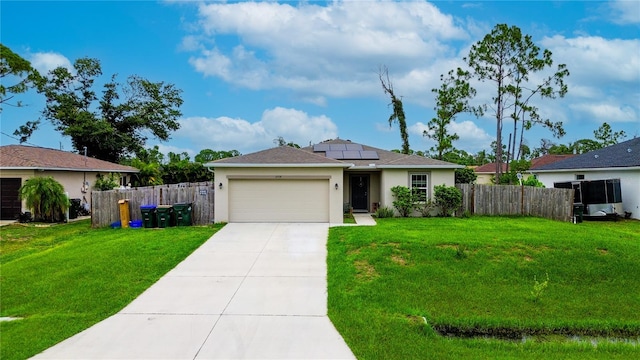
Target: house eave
[
  {"x": 622, "y": 168},
  {"x": 452, "y": 166},
  {"x": 241, "y": 165},
  {"x": 38, "y": 168},
  {"x": 364, "y": 167}
]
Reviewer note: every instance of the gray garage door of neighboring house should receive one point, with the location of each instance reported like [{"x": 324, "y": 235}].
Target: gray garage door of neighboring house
[
  {"x": 10, "y": 198},
  {"x": 279, "y": 200}
]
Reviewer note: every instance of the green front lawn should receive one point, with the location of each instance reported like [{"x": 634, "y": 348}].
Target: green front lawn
[
  {"x": 447, "y": 288},
  {"x": 64, "y": 278}
]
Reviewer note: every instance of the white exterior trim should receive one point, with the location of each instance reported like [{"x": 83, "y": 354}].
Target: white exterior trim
[
  {"x": 66, "y": 169},
  {"x": 241, "y": 165},
  {"x": 630, "y": 168},
  {"x": 454, "y": 166}
]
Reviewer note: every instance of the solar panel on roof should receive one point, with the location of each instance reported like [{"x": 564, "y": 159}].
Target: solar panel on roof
[
  {"x": 321, "y": 147},
  {"x": 332, "y": 154},
  {"x": 337, "y": 147},
  {"x": 356, "y": 147},
  {"x": 351, "y": 154},
  {"x": 369, "y": 155}
]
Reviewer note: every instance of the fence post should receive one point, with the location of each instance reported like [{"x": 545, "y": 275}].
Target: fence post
[
  {"x": 521, "y": 199},
  {"x": 473, "y": 199}
]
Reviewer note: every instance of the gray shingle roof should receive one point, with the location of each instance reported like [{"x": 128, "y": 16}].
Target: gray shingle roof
[
  {"x": 32, "y": 157},
  {"x": 285, "y": 155},
  {"x": 389, "y": 158},
  {"x": 621, "y": 155},
  {"x": 278, "y": 155}
]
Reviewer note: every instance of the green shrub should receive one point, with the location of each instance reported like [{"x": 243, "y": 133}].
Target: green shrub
[
  {"x": 532, "y": 181},
  {"x": 45, "y": 197},
  {"x": 465, "y": 176},
  {"x": 448, "y": 198},
  {"x": 108, "y": 182},
  {"x": 385, "y": 212},
  {"x": 404, "y": 202}
]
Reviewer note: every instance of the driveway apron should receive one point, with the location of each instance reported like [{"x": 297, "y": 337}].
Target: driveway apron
[{"x": 252, "y": 291}]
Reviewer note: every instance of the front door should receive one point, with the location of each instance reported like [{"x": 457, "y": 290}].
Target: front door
[{"x": 360, "y": 192}]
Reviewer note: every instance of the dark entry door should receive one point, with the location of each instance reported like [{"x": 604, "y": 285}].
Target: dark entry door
[
  {"x": 360, "y": 192},
  {"x": 10, "y": 199}
]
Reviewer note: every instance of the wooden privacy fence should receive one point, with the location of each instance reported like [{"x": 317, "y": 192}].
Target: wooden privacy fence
[
  {"x": 105, "y": 208},
  {"x": 556, "y": 204}
]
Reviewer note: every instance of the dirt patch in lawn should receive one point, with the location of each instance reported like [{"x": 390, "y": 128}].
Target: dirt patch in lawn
[
  {"x": 398, "y": 259},
  {"x": 365, "y": 271}
]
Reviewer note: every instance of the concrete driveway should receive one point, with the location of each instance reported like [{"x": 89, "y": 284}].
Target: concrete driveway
[{"x": 252, "y": 291}]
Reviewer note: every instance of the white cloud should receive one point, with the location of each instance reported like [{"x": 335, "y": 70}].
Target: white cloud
[
  {"x": 334, "y": 50},
  {"x": 224, "y": 133},
  {"x": 472, "y": 138},
  {"x": 331, "y": 50},
  {"x": 625, "y": 11},
  {"x": 607, "y": 112},
  {"x": 384, "y": 127},
  {"x": 603, "y": 85},
  {"x": 47, "y": 61},
  {"x": 596, "y": 58}
]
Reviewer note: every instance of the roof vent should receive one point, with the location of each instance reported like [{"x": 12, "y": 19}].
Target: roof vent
[
  {"x": 629, "y": 150},
  {"x": 596, "y": 156}
]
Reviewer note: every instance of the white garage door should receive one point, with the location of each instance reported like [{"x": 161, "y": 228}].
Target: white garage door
[{"x": 283, "y": 200}]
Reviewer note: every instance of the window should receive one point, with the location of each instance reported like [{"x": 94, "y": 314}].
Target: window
[
  {"x": 419, "y": 183},
  {"x": 580, "y": 177}
]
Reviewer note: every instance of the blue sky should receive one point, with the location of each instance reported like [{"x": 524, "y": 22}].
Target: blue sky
[{"x": 308, "y": 71}]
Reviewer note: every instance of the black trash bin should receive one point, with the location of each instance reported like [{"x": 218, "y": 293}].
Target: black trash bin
[
  {"x": 183, "y": 213},
  {"x": 165, "y": 216},
  {"x": 149, "y": 219},
  {"x": 74, "y": 208},
  {"x": 578, "y": 212}
]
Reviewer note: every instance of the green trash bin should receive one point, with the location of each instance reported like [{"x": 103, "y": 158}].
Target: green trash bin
[
  {"x": 74, "y": 208},
  {"x": 149, "y": 218},
  {"x": 165, "y": 216},
  {"x": 183, "y": 213}
]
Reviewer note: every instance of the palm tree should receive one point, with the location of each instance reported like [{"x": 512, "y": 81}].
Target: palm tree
[{"x": 45, "y": 197}]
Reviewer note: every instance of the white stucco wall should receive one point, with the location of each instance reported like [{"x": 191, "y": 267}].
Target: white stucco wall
[
  {"x": 221, "y": 206},
  {"x": 629, "y": 184},
  {"x": 22, "y": 174},
  {"x": 484, "y": 179},
  {"x": 394, "y": 177},
  {"x": 71, "y": 181}
]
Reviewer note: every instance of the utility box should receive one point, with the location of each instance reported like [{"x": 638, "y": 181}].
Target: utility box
[
  {"x": 124, "y": 212},
  {"x": 149, "y": 216},
  {"x": 165, "y": 216},
  {"x": 183, "y": 213}
]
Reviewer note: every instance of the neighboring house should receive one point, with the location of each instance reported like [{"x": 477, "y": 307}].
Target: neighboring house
[
  {"x": 75, "y": 172},
  {"x": 619, "y": 161},
  {"x": 486, "y": 172},
  {"x": 317, "y": 183}
]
